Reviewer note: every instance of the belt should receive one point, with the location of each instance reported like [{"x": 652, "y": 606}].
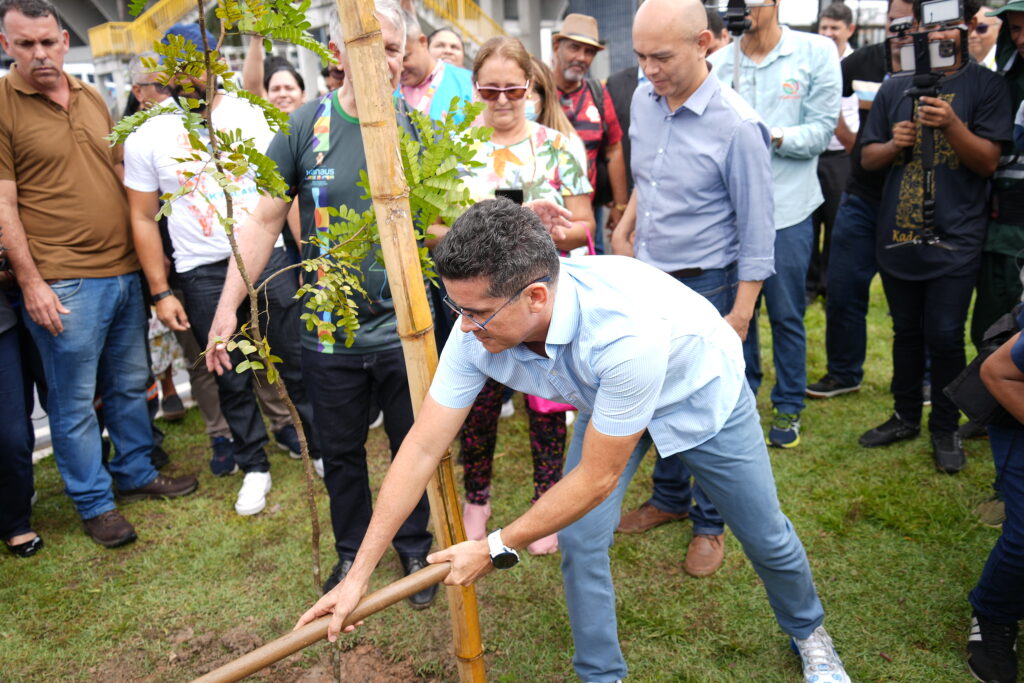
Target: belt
[{"x": 684, "y": 273}]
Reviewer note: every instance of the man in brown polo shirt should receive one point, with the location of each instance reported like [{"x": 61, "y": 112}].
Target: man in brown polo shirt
[{"x": 66, "y": 230}]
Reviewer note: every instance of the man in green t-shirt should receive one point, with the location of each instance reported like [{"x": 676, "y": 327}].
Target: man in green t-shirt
[{"x": 321, "y": 161}]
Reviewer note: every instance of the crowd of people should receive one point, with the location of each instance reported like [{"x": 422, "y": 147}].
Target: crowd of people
[{"x": 624, "y": 238}]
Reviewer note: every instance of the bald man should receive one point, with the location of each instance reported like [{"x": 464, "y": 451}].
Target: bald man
[{"x": 428, "y": 83}]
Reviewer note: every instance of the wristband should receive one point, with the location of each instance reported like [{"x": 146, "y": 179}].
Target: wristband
[
  {"x": 621, "y": 207},
  {"x": 161, "y": 295}
]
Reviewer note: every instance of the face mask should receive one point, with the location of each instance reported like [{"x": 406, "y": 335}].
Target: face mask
[{"x": 531, "y": 110}]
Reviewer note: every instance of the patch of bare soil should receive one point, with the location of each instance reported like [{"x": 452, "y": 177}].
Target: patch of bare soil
[{"x": 190, "y": 655}]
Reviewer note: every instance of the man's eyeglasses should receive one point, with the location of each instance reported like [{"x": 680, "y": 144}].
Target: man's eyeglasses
[
  {"x": 459, "y": 310},
  {"x": 512, "y": 92},
  {"x": 981, "y": 29}
]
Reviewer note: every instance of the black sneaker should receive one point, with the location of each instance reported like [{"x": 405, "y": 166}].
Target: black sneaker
[
  {"x": 828, "y": 386},
  {"x": 426, "y": 596},
  {"x": 172, "y": 409},
  {"x": 895, "y": 429},
  {"x": 222, "y": 459},
  {"x": 288, "y": 440},
  {"x": 972, "y": 430},
  {"x": 991, "y": 650},
  {"x": 339, "y": 572},
  {"x": 948, "y": 452}
]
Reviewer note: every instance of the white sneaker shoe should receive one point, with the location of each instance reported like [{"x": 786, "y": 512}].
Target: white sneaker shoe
[
  {"x": 377, "y": 421},
  {"x": 821, "y": 663},
  {"x": 253, "y": 496},
  {"x": 508, "y": 409},
  {"x": 318, "y": 467},
  {"x": 570, "y": 417}
]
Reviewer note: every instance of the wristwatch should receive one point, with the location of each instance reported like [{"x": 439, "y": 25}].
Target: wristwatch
[
  {"x": 502, "y": 557},
  {"x": 161, "y": 295},
  {"x": 776, "y": 134}
]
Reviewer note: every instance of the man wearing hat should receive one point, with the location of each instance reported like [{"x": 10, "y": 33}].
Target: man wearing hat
[{"x": 590, "y": 110}]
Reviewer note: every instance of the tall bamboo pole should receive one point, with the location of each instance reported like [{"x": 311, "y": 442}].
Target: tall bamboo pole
[{"x": 390, "y": 195}]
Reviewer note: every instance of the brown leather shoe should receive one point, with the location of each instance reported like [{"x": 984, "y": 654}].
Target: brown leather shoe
[
  {"x": 646, "y": 517},
  {"x": 162, "y": 487},
  {"x": 705, "y": 554},
  {"x": 109, "y": 529}
]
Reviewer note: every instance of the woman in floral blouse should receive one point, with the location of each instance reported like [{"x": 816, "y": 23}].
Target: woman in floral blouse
[{"x": 521, "y": 155}]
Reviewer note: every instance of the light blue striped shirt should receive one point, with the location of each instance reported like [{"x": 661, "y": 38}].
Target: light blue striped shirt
[
  {"x": 627, "y": 343},
  {"x": 704, "y": 182},
  {"x": 796, "y": 87}
]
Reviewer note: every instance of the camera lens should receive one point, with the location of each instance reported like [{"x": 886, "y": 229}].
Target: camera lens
[{"x": 947, "y": 49}]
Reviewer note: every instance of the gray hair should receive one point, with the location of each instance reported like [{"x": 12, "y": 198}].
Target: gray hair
[
  {"x": 137, "y": 69},
  {"x": 384, "y": 9},
  {"x": 499, "y": 240}
]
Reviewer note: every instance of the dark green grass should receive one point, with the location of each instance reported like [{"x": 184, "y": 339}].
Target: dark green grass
[{"x": 894, "y": 547}]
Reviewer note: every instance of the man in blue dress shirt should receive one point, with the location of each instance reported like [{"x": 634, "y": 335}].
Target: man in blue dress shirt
[
  {"x": 701, "y": 211},
  {"x": 793, "y": 80},
  {"x": 647, "y": 361}
]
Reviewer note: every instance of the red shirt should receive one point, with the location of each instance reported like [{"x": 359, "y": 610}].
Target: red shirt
[{"x": 583, "y": 113}]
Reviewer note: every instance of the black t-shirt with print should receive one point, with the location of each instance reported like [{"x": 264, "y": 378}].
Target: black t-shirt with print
[{"x": 981, "y": 100}]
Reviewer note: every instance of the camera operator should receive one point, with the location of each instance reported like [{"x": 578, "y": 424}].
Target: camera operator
[
  {"x": 997, "y": 601},
  {"x": 928, "y": 279}
]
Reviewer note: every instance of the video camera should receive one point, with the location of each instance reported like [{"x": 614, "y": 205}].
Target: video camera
[
  {"x": 735, "y": 12},
  {"x": 938, "y": 46}
]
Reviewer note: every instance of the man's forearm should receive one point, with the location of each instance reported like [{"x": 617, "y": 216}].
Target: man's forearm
[
  {"x": 150, "y": 250},
  {"x": 879, "y": 155},
  {"x": 255, "y": 248},
  {"x": 625, "y": 228},
  {"x": 16, "y": 248},
  {"x": 617, "y": 174},
  {"x": 746, "y": 298}
]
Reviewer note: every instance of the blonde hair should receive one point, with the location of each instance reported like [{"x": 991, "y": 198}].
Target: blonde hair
[
  {"x": 550, "y": 113},
  {"x": 508, "y": 48}
]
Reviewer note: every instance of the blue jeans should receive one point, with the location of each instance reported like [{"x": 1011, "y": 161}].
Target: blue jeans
[
  {"x": 851, "y": 268},
  {"x": 202, "y": 287},
  {"x": 998, "y": 595},
  {"x": 785, "y": 298},
  {"x": 735, "y": 459},
  {"x": 672, "y": 492},
  {"x": 103, "y": 346}
]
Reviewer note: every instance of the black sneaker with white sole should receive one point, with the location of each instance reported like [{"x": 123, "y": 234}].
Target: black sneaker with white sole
[
  {"x": 828, "y": 386},
  {"x": 992, "y": 650}
]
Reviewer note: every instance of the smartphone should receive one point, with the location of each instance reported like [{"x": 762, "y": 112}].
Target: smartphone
[{"x": 512, "y": 194}]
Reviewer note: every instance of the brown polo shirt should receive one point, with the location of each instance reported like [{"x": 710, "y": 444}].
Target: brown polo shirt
[{"x": 70, "y": 197}]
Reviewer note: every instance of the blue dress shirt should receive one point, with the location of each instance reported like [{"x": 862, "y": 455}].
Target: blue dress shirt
[
  {"x": 796, "y": 87},
  {"x": 703, "y": 178},
  {"x": 628, "y": 344}
]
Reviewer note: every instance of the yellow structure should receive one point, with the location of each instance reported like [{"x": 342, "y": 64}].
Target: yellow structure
[
  {"x": 465, "y": 15},
  {"x": 135, "y": 37}
]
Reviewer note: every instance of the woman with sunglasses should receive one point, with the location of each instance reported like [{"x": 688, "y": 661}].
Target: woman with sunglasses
[{"x": 527, "y": 156}]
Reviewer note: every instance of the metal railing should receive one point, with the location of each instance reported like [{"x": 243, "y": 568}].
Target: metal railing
[
  {"x": 473, "y": 23},
  {"x": 135, "y": 37}
]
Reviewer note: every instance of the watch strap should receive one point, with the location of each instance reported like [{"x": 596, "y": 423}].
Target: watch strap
[{"x": 161, "y": 295}]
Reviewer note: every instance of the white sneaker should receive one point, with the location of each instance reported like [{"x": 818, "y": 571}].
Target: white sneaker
[
  {"x": 378, "y": 421},
  {"x": 570, "y": 417},
  {"x": 318, "y": 467},
  {"x": 253, "y": 496},
  {"x": 508, "y": 409},
  {"x": 821, "y": 663}
]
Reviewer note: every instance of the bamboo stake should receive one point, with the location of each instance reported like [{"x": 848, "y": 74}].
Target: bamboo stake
[
  {"x": 314, "y": 631},
  {"x": 390, "y": 194}
]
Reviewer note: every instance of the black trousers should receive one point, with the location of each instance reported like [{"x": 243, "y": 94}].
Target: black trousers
[
  {"x": 928, "y": 317},
  {"x": 340, "y": 386},
  {"x": 280, "y": 322}
]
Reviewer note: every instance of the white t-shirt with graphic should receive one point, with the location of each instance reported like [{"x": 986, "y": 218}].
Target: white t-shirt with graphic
[{"x": 150, "y": 164}]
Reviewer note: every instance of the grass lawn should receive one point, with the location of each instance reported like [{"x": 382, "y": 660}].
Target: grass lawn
[{"x": 894, "y": 547}]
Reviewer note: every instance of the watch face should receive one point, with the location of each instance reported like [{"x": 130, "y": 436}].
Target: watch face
[{"x": 504, "y": 560}]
